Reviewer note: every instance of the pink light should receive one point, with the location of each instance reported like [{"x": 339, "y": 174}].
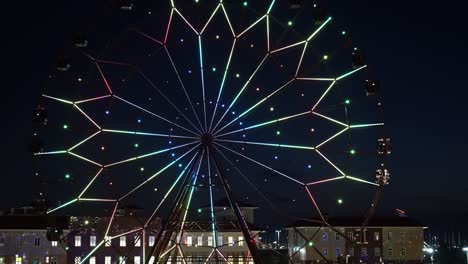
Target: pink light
[
  {"x": 168, "y": 26},
  {"x": 315, "y": 203},
  {"x": 104, "y": 78}
]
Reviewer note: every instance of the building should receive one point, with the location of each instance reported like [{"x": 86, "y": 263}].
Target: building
[
  {"x": 25, "y": 239},
  {"x": 390, "y": 240},
  {"x": 126, "y": 241}
]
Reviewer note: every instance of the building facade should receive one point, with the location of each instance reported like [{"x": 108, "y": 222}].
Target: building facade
[{"x": 390, "y": 240}]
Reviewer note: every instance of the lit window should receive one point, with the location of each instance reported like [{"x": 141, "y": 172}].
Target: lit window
[
  {"x": 241, "y": 260},
  {"x": 403, "y": 252},
  {"x": 107, "y": 260},
  {"x": 351, "y": 236},
  {"x": 210, "y": 241},
  {"x": 151, "y": 241},
  {"x": 108, "y": 241},
  {"x": 324, "y": 236},
  {"x": 77, "y": 260},
  {"x": 54, "y": 243},
  {"x": 337, "y": 252},
  {"x": 241, "y": 241},
  {"x": 230, "y": 259},
  {"x": 137, "y": 241},
  {"x": 189, "y": 241},
  {"x": 53, "y": 260},
  {"x": 377, "y": 252},
  {"x": 220, "y": 241},
  {"x": 376, "y": 236},
  {"x": 18, "y": 260},
  {"x": 151, "y": 261},
  {"x": 77, "y": 241},
  {"x": 37, "y": 241},
  {"x": 390, "y": 252},
  {"x": 36, "y": 260},
  {"x": 200, "y": 241},
  {"x": 92, "y": 241},
  {"x": 136, "y": 259},
  {"x": 325, "y": 251},
  {"x": 92, "y": 260},
  {"x": 2, "y": 260},
  {"x": 230, "y": 242},
  {"x": 122, "y": 260},
  {"x": 402, "y": 235},
  {"x": 123, "y": 241},
  {"x": 363, "y": 252},
  {"x": 389, "y": 236}
]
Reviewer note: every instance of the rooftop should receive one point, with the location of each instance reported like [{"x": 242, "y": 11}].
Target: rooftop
[{"x": 385, "y": 221}]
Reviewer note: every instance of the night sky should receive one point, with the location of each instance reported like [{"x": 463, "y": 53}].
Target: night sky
[{"x": 416, "y": 49}]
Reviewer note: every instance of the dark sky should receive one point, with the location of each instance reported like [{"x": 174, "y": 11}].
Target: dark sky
[{"x": 418, "y": 51}]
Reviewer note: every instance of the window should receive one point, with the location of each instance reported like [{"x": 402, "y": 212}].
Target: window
[
  {"x": 402, "y": 235},
  {"x": 337, "y": 252},
  {"x": 220, "y": 241},
  {"x": 108, "y": 241},
  {"x": 107, "y": 260},
  {"x": 77, "y": 260},
  {"x": 325, "y": 251},
  {"x": 36, "y": 260},
  {"x": 403, "y": 252},
  {"x": 389, "y": 236},
  {"x": 200, "y": 241},
  {"x": 337, "y": 236},
  {"x": 241, "y": 260},
  {"x": 136, "y": 260},
  {"x": 92, "y": 241},
  {"x": 53, "y": 260},
  {"x": 351, "y": 252},
  {"x": 377, "y": 252},
  {"x": 241, "y": 241},
  {"x": 151, "y": 241},
  {"x": 189, "y": 241},
  {"x": 230, "y": 242},
  {"x": 324, "y": 236},
  {"x": 92, "y": 260},
  {"x": 230, "y": 259},
  {"x": 390, "y": 252},
  {"x": 137, "y": 241},
  {"x": 2, "y": 260},
  {"x": 54, "y": 243},
  {"x": 210, "y": 241},
  {"x": 376, "y": 236},
  {"x": 19, "y": 241},
  {"x": 351, "y": 236},
  {"x": 123, "y": 241},
  {"x": 18, "y": 260},
  {"x": 2, "y": 242},
  {"x": 363, "y": 252},
  {"x": 37, "y": 241},
  {"x": 151, "y": 260},
  {"x": 77, "y": 241},
  {"x": 122, "y": 260}
]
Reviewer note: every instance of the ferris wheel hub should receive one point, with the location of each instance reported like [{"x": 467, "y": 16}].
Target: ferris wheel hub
[{"x": 207, "y": 138}]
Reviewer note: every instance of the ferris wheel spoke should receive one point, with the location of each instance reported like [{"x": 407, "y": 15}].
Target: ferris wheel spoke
[
  {"x": 149, "y": 154},
  {"x": 183, "y": 86},
  {"x": 103, "y": 77},
  {"x": 57, "y": 99},
  {"x": 149, "y": 37},
  {"x": 84, "y": 140},
  {"x": 148, "y": 80},
  {"x": 326, "y": 180},
  {"x": 211, "y": 17},
  {"x": 139, "y": 133},
  {"x": 62, "y": 206},
  {"x": 222, "y": 83},
  {"x": 361, "y": 180},
  {"x": 93, "y": 99},
  {"x": 351, "y": 73},
  {"x": 330, "y": 119},
  {"x": 50, "y": 153},
  {"x": 255, "y": 106},
  {"x": 276, "y": 145},
  {"x": 312, "y": 199},
  {"x": 202, "y": 76},
  {"x": 251, "y": 26},
  {"x": 155, "y": 115},
  {"x": 84, "y": 158},
  {"x": 267, "y": 123},
  {"x": 241, "y": 91},
  {"x": 228, "y": 20},
  {"x": 331, "y": 163},
  {"x": 90, "y": 183},
  {"x": 174, "y": 184},
  {"x": 158, "y": 173},
  {"x": 259, "y": 163},
  {"x": 323, "y": 95},
  {"x": 212, "y": 214},
  {"x": 332, "y": 137},
  {"x": 367, "y": 125}
]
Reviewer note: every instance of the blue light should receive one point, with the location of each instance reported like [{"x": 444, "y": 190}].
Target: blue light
[
  {"x": 180, "y": 165},
  {"x": 233, "y": 112},
  {"x": 240, "y": 123},
  {"x": 309, "y": 166},
  {"x": 139, "y": 120},
  {"x": 170, "y": 142},
  {"x": 107, "y": 112},
  {"x": 222, "y": 105},
  {"x": 173, "y": 154},
  {"x": 276, "y": 157}
]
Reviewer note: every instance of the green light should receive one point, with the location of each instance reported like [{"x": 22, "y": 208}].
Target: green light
[
  {"x": 290, "y": 23},
  {"x": 311, "y": 244},
  {"x": 213, "y": 69},
  {"x": 199, "y": 210},
  {"x": 65, "y": 126},
  {"x": 67, "y": 176},
  {"x": 347, "y": 101},
  {"x": 352, "y": 152},
  {"x": 278, "y": 132},
  {"x": 340, "y": 201},
  {"x": 245, "y": 3},
  {"x": 136, "y": 145}
]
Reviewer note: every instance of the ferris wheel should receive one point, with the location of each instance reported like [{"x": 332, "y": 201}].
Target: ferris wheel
[{"x": 267, "y": 103}]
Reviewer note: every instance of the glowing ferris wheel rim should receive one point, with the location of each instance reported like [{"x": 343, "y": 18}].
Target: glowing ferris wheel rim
[{"x": 209, "y": 130}]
